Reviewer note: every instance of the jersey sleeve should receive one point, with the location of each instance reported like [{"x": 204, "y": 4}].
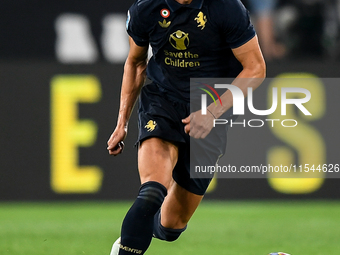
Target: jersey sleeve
[
  {"x": 135, "y": 27},
  {"x": 237, "y": 27}
]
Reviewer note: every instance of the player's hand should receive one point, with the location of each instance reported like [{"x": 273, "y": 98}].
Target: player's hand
[
  {"x": 115, "y": 143},
  {"x": 197, "y": 125}
]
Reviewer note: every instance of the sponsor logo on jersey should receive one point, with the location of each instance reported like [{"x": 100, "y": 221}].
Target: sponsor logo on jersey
[
  {"x": 164, "y": 24},
  {"x": 179, "y": 40},
  {"x": 181, "y": 57}
]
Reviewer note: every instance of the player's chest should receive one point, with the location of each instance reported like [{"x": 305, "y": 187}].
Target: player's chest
[{"x": 187, "y": 29}]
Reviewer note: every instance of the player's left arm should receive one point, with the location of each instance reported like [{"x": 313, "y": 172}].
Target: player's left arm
[{"x": 252, "y": 75}]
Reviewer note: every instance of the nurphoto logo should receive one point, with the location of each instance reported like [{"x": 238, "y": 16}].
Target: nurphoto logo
[{"x": 239, "y": 102}]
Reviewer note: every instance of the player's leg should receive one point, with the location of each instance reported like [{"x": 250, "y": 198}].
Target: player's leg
[
  {"x": 178, "y": 207},
  {"x": 176, "y": 211},
  {"x": 184, "y": 194},
  {"x": 156, "y": 160}
]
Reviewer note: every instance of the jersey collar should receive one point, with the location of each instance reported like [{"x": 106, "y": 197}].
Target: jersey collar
[{"x": 174, "y": 5}]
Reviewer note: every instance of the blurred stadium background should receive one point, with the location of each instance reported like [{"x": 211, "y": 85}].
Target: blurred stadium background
[{"x": 60, "y": 71}]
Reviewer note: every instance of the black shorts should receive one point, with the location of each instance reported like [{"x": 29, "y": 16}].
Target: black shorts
[{"x": 160, "y": 115}]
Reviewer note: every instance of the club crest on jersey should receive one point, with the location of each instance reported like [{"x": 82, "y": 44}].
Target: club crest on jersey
[
  {"x": 179, "y": 40},
  {"x": 165, "y": 13},
  {"x": 151, "y": 125},
  {"x": 201, "y": 19}
]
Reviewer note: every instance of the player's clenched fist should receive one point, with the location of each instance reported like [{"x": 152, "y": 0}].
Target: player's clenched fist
[{"x": 115, "y": 143}]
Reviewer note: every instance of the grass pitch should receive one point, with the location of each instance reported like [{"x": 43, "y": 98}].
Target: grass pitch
[{"x": 231, "y": 228}]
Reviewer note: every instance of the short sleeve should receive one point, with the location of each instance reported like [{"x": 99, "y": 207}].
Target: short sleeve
[
  {"x": 237, "y": 27},
  {"x": 135, "y": 27}
]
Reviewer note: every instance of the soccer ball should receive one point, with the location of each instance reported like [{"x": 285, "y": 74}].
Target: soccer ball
[{"x": 278, "y": 253}]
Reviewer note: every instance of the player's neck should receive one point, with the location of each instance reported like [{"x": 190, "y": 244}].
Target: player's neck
[{"x": 184, "y": 1}]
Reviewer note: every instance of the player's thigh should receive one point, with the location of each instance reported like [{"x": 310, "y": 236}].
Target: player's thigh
[
  {"x": 156, "y": 160},
  {"x": 178, "y": 207}
]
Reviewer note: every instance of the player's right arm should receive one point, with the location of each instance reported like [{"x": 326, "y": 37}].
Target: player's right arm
[{"x": 133, "y": 80}]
